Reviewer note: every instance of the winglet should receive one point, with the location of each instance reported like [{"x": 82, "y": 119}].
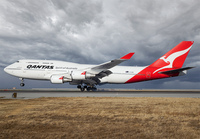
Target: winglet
[{"x": 128, "y": 56}]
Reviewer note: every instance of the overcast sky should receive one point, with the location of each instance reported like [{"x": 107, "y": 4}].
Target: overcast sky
[{"x": 96, "y": 31}]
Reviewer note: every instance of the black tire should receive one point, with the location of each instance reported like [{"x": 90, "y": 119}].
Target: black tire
[
  {"x": 82, "y": 89},
  {"x": 88, "y": 88},
  {"x": 22, "y": 84},
  {"x": 79, "y": 86}
]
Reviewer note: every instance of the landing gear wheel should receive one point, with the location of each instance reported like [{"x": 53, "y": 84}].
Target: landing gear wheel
[
  {"x": 82, "y": 89},
  {"x": 88, "y": 88},
  {"x": 79, "y": 86},
  {"x": 85, "y": 87},
  {"x": 91, "y": 89},
  {"x": 22, "y": 84}
]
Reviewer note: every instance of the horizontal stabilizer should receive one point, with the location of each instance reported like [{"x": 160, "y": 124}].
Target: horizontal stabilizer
[{"x": 175, "y": 71}]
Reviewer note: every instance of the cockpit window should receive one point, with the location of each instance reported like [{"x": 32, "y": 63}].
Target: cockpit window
[{"x": 17, "y": 62}]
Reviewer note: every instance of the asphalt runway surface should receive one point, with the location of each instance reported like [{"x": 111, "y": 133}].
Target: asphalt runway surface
[{"x": 31, "y": 94}]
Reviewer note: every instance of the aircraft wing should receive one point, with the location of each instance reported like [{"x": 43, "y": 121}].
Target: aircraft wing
[
  {"x": 103, "y": 68},
  {"x": 92, "y": 75}
]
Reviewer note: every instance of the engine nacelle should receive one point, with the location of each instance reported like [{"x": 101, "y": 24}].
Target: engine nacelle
[
  {"x": 57, "y": 79},
  {"x": 89, "y": 75},
  {"x": 80, "y": 75}
]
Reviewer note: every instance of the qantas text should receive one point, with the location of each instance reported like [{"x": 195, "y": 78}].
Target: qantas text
[{"x": 39, "y": 67}]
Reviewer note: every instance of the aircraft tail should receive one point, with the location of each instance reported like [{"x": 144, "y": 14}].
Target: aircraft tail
[{"x": 175, "y": 58}]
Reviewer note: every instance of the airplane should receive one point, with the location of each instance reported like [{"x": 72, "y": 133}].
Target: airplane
[{"x": 86, "y": 76}]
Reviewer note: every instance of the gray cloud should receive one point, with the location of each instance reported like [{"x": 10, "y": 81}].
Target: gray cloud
[{"x": 96, "y": 31}]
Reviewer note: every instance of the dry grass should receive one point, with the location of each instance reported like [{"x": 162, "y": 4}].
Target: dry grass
[{"x": 100, "y": 118}]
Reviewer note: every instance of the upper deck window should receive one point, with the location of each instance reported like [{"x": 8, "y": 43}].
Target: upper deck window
[
  {"x": 45, "y": 62},
  {"x": 34, "y": 62}
]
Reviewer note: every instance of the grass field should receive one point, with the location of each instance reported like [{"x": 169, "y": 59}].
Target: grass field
[{"x": 100, "y": 118}]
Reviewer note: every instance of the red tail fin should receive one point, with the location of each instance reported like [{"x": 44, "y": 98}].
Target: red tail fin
[
  {"x": 169, "y": 65},
  {"x": 175, "y": 57}
]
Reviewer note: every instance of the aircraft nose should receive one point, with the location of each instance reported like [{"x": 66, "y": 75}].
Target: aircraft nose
[
  {"x": 9, "y": 69},
  {"x": 6, "y": 69},
  {"x": 12, "y": 69}
]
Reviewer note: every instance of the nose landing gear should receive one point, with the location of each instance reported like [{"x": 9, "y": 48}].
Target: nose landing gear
[{"x": 22, "y": 82}]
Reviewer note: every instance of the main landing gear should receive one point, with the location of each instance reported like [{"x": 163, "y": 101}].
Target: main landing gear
[
  {"x": 22, "y": 82},
  {"x": 88, "y": 88}
]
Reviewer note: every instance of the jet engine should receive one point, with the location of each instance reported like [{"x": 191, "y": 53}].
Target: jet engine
[
  {"x": 80, "y": 75},
  {"x": 57, "y": 79}
]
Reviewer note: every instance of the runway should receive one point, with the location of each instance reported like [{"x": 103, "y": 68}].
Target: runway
[{"x": 37, "y": 93}]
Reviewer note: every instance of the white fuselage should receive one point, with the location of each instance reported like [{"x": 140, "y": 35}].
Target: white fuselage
[{"x": 44, "y": 69}]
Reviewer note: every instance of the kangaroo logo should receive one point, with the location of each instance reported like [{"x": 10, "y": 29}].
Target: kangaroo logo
[{"x": 170, "y": 59}]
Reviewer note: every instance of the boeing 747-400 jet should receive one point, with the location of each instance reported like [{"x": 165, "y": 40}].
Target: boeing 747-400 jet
[{"x": 88, "y": 76}]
